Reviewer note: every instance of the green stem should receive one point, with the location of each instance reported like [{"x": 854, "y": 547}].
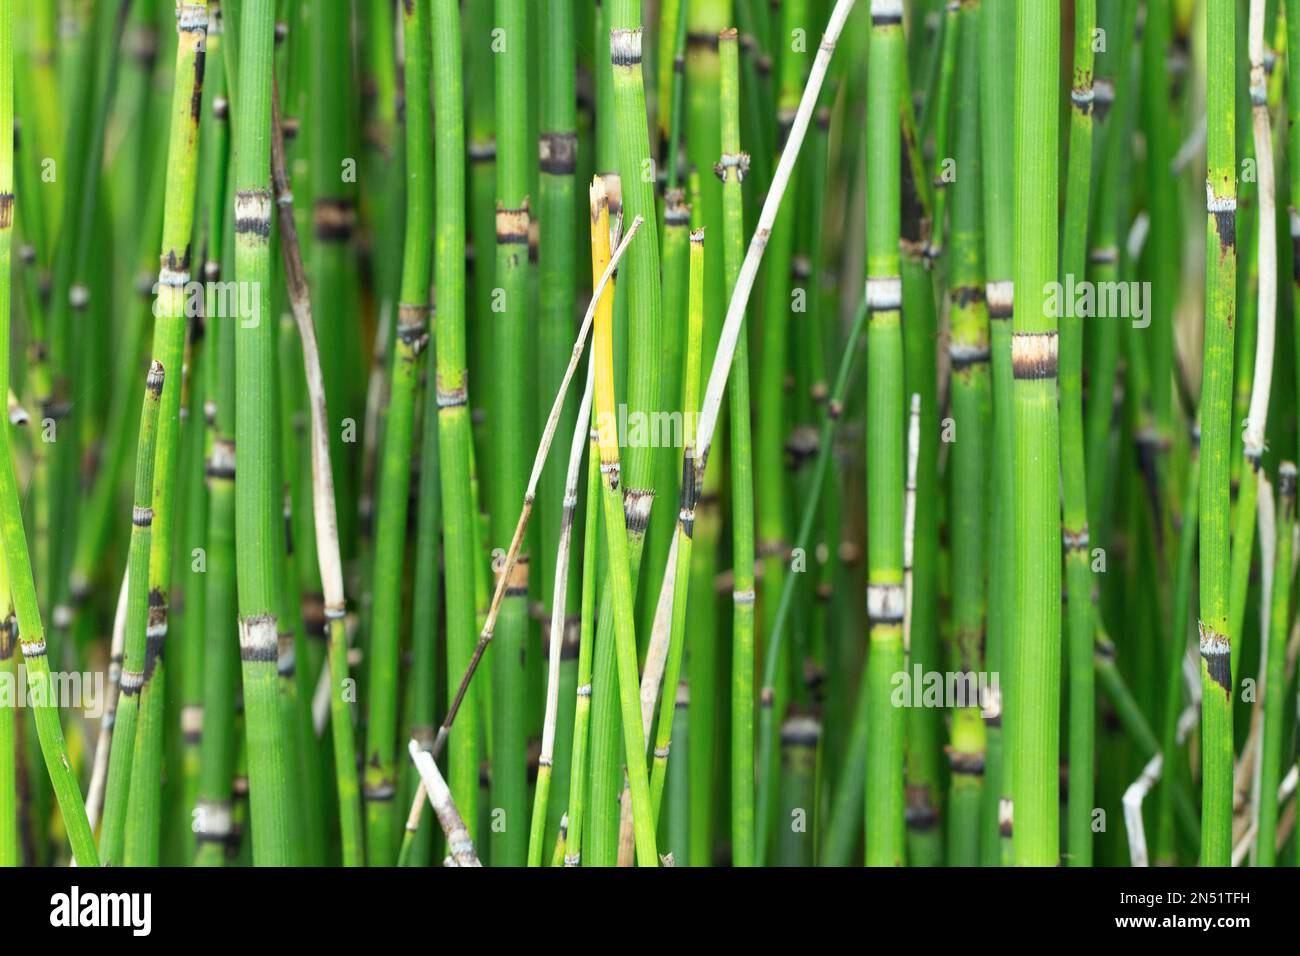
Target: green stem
[
  {"x": 1035, "y": 646},
  {"x": 1216, "y": 433}
]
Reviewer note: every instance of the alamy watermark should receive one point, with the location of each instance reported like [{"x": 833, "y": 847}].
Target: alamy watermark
[
  {"x": 71, "y": 690},
  {"x": 947, "y": 689},
  {"x": 214, "y": 299},
  {"x": 1099, "y": 300},
  {"x": 637, "y": 429}
]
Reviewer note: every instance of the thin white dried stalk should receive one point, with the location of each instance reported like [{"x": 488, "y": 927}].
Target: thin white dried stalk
[
  {"x": 735, "y": 318},
  {"x": 558, "y": 605},
  {"x": 459, "y": 845},
  {"x": 320, "y": 700},
  {"x": 99, "y": 773},
  {"x": 657, "y": 653},
  {"x": 1246, "y": 842},
  {"x": 1133, "y": 797},
  {"x": 1266, "y": 324},
  {"x": 909, "y": 520},
  {"x": 1252, "y": 755}
]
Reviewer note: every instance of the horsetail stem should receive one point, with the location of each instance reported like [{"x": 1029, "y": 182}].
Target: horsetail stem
[
  {"x": 1035, "y": 645},
  {"x": 256, "y": 501},
  {"x": 885, "y": 444},
  {"x": 412, "y": 336},
  {"x": 1074, "y": 532},
  {"x": 1216, "y": 435}
]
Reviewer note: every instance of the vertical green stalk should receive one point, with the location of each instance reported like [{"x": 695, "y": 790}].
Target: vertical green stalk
[
  {"x": 617, "y": 536},
  {"x": 10, "y": 854},
  {"x": 1275, "y": 683},
  {"x": 1035, "y": 645},
  {"x": 997, "y": 55},
  {"x": 641, "y": 284},
  {"x": 924, "y": 724},
  {"x": 1217, "y": 434},
  {"x": 685, "y": 522},
  {"x": 885, "y": 446},
  {"x": 509, "y": 431},
  {"x": 796, "y": 807},
  {"x": 451, "y": 394},
  {"x": 31, "y": 634},
  {"x": 380, "y": 780},
  {"x": 122, "y": 756},
  {"x": 732, "y": 167},
  {"x": 256, "y": 501},
  {"x": 941, "y": 114},
  {"x": 144, "y": 824},
  {"x": 1074, "y": 532},
  {"x": 217, "y": 745},
  {"x": 333, "y": 260},
  {"x": 705, "y": 19},
  {"x": 972, "y": 412},
  {"x": 558, "y": 156},
  {"x": 771, "y": 411},
  {"x": 582, "y": 703}
]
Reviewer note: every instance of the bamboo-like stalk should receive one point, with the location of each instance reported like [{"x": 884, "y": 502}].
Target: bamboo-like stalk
[
  {"x": 943, "y": 119},
  {"x": 997, "y": 56},
  {"x": 1166, "y": 850},
  {"x": 135, "y": 652},
  {"x": 509, "y": 430},
  {"x": 1035, "y": 647},
  {"x": 144, "y": 823},
  {"x": 256, "y": 501},
  {"x": 557, "y": 165},
  {"x": 556, "y": 245},
  {"x": 617, "y": 535},
  {"x": 1074, "y": 532},
  {"x": 885, "y": 443},
  {"x": 546, "y": 758},
  {"x": 331, "y": 265},
  {"x": 644, "y": 395},
  {"x": 685, "y": 523},
  {"x": 1114, "y": 97},
  {"x": 451, "y": 391},
  {"x": 578, "y": 783},
  {"x": 924, "y": 725},
  {"x": 379, "y": 785},
  {"x": 22, "y": 585},
  {"x": 1275, "y": 683},
  {"x": 1216, "y": 434},
  {"x": 770, "y": 414},
  {"x": 732, "y": 166},
  {"x": 972, "y": 412},
  {"x": 1264, "y": 261},
  {"x": 705, "y": 19},
  {"x": 10, "y": 851}
]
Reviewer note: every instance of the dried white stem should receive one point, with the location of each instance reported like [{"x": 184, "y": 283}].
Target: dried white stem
[
  {"x": 735, "y": 318},
  {"x": 560, "y": 593},
  {"x": 99, "y": 773},
  {"x": 459, "y": 844},
  {"x": 1266, "y": 323},
  {"x": 1133, "y": 796},
  {"x": 657, "y": 653},
  {"x": 909, "y": 519}
]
